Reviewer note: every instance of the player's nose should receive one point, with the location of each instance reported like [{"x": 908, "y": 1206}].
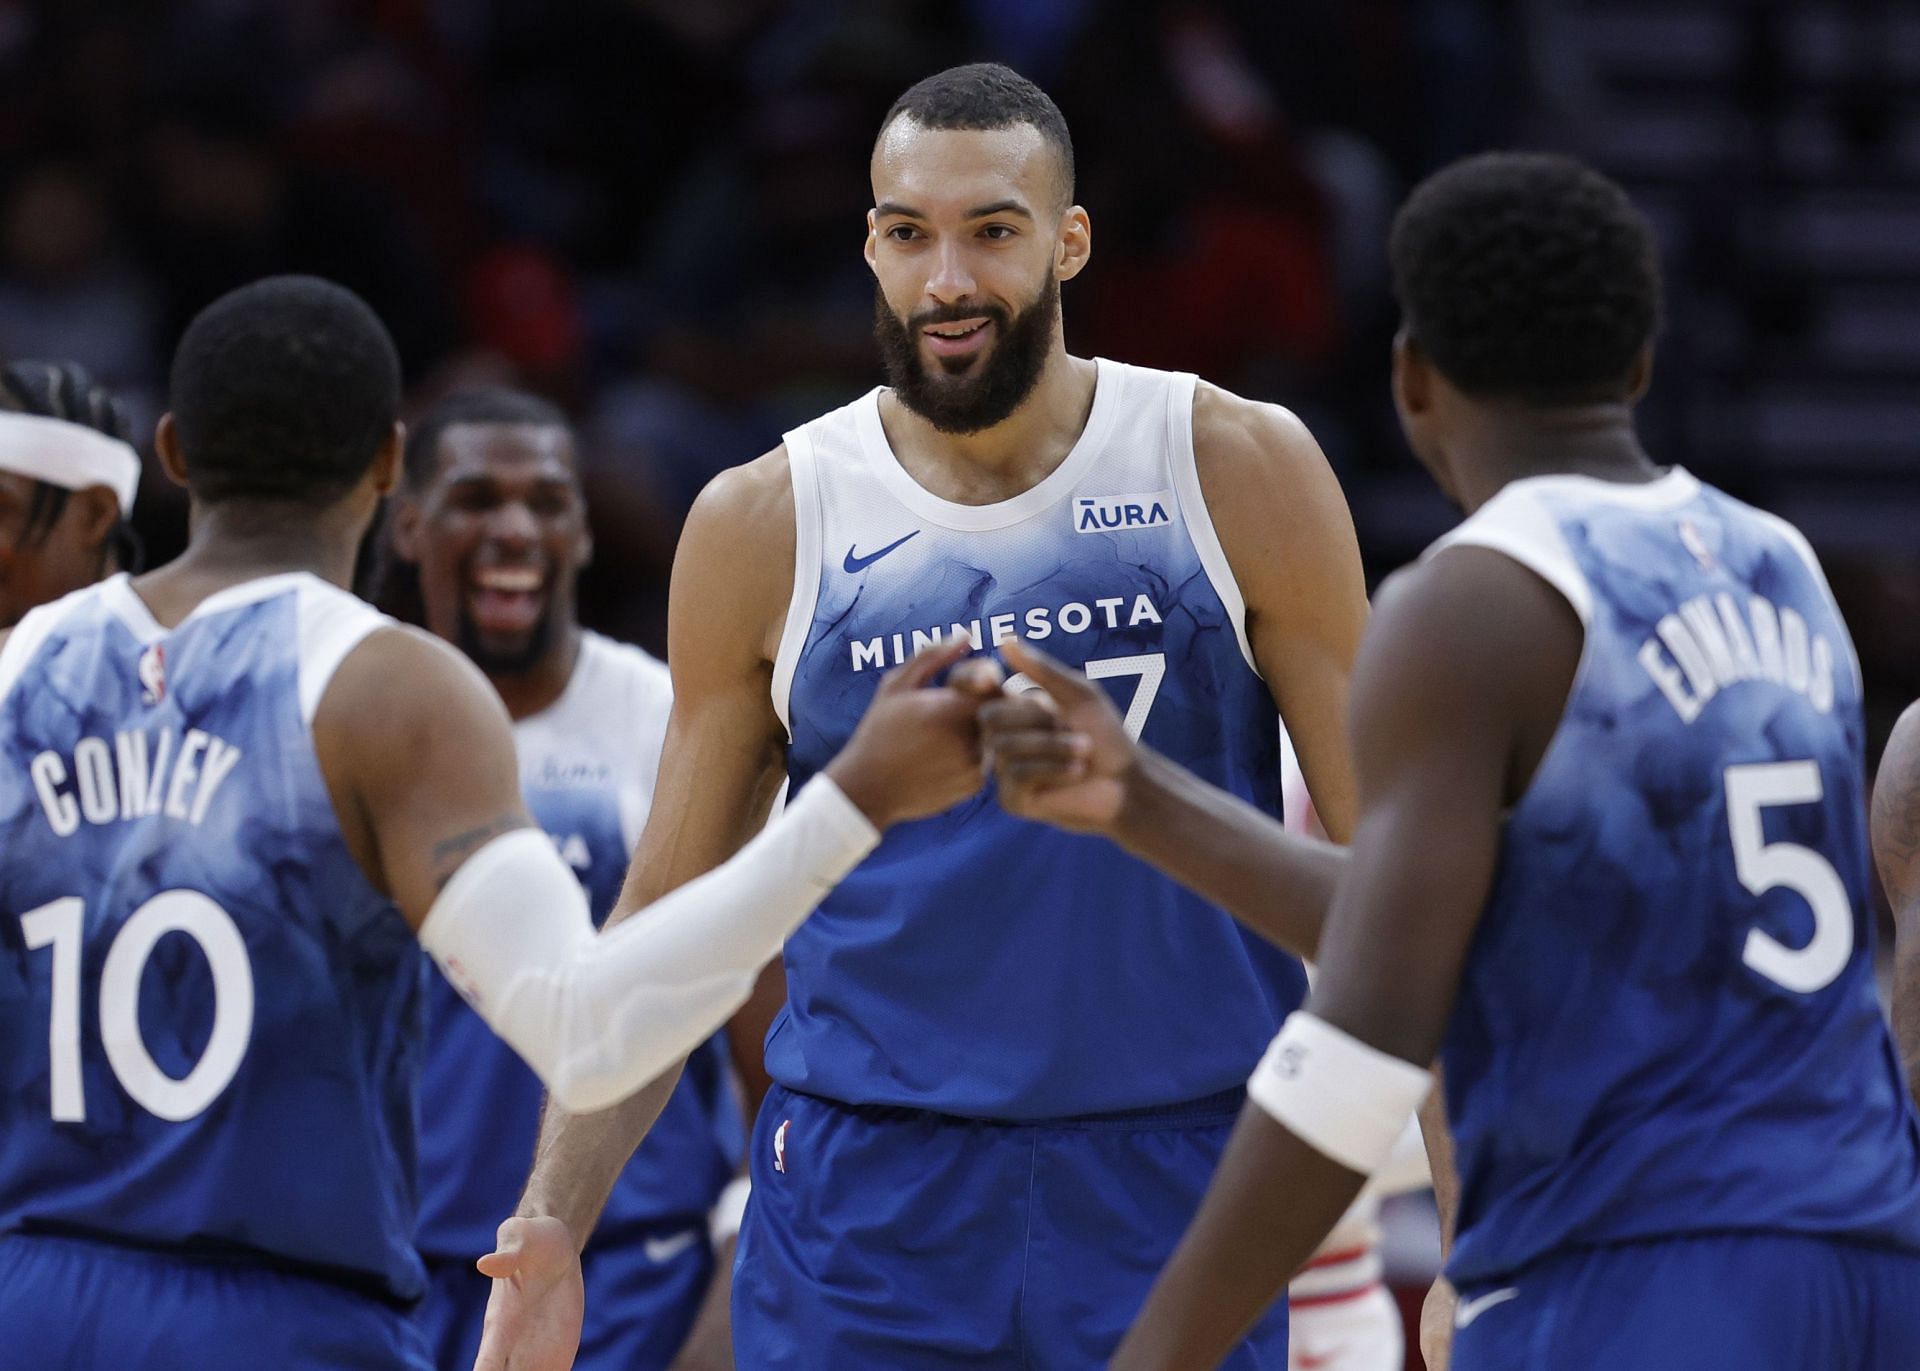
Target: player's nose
[
  {"x": 512, "y": 522},
  {"x": 952, "y": 279}
]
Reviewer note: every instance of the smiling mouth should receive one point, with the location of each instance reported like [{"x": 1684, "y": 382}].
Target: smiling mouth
[
  {"x": 506, "y": 600},
  {"x": 957, "y": 337}
]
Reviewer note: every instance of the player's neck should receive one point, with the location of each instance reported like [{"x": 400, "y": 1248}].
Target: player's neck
[
  {"x": 1501, "y": 446},
  {"x": 527, "y": 693},
  {"x": 237, "y": 541},
  {"x": 1014, "y": 455}
]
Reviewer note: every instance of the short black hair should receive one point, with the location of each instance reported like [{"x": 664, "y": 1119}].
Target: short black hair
[
  {"x": 986, "y": 95},
  {"x": 283, "y": 390},
  {"x": 68, "y": 392},
  {"x": 1527, "y": 275},
  {"x": 485, "y": 405}
]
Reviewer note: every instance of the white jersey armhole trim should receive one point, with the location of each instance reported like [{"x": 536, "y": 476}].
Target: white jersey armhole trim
[
  {"x": 807, "y": 518},
  {"x": 1193, "y": 508},
  {"x": 1798, "y": 542},
  {"x": 332, "y": 624},
  {"x": 24, "y": 642},
  {"x": 1515, "y": 524}
]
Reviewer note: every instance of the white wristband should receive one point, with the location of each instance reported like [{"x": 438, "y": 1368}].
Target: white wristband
[
  {"x": 1345, "y": 1099},
  {"x": 729, "y": 1211}
]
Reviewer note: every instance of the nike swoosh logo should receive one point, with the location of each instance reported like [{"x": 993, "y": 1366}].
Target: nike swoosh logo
[
  {"x": 855, "y": 563},
  {"x": 1469, "y": 1310},
  {"x": 660, "y": 1251}
]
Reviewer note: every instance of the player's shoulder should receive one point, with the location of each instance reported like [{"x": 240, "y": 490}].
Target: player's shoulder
[
  {"x": 754, "y": 498},
  {"x": 1266, "y": 440},
  {"x": 397, "y": 677}
]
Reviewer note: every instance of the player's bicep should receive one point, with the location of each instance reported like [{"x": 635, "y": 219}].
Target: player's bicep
[
  {"x": 422, "y": 751},
  {"x": 1285, "y": 528},
  {"x": 1444, "y": 697},
  {"x": 720, "y": 765}
]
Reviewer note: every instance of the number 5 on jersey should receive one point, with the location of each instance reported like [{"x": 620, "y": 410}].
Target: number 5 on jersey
[
  {"x": 61, "y": 925},
  {"x": 1763, "y": 866}
]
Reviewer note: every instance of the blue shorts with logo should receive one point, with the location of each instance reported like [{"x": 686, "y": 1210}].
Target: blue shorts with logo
[
  {"x": 1724, "y": 1302},
  {"x": 644, "y": 1289},
  {"x": 71, "y": 1304},
  {"x": 899, "y": 1239}
]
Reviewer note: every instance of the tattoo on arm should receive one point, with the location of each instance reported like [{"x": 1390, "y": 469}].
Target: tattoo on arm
[{"x": 449, "y": 854}]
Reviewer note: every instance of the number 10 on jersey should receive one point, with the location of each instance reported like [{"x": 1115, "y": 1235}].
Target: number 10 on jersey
[{"x": 61, "y": 926}]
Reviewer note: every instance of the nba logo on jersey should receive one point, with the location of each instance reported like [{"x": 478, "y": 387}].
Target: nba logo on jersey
[
  {"x": 153, "y": 674},
  {"x": 1696, "y": 545},
  {"x": 780, "y": 1146},
  {"x": 1112, "y": 513}
]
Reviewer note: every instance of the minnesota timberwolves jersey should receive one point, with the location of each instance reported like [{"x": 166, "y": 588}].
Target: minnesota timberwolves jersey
[
  {"x": 212, "y": 1019},
  {"x": 1668, "y": 1022},
  {"x": 978, "y": 964},
  {"x": 587, "y": 768}
]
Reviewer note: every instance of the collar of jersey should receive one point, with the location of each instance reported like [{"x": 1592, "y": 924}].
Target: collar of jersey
[
  {"x": 978, "y": 518},
  {"x": 131, "y": 610},
  {"x": 1674, "y": 487}
]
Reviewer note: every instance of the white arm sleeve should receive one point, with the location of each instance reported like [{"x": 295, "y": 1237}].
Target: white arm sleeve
[{"x": 599, "y": 1016}]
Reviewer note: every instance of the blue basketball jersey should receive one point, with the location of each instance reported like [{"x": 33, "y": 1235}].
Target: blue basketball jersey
[
  {"x": 587, "y": 767},
  {"x": 978, "y": 964},
  {"x": 1668, "y": 1023},
  {"x": 212, "y": 1019}
]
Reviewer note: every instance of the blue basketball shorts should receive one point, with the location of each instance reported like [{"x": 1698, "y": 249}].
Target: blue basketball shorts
[
  {"x": 644, "y": 1289},
  {"x": 906, "y": 1241},
  {"x": 1724, "y": 1302},
  {"x": 68, "y": 1304}
]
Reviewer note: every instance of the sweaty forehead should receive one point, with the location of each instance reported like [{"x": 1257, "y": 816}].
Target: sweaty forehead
[{"x": 941, "y": 169}]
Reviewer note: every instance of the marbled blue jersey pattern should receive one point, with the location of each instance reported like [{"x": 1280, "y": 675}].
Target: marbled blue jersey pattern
[
  {"x": 978, "y": 964},
  {"x": 1668, "y": 1023},
  {"x": 212, "y": 1020}
]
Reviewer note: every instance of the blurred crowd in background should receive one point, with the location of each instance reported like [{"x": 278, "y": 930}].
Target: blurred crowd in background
[{"x": 651, "y": 210}]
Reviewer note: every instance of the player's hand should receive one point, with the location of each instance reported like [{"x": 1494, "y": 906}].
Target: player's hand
[
  {"x": 1058, "y": 749},
  {"x": 1436, "y": 1324},
  {"x": 534, "y": 1313},
  {"x": 917, "y": 749}
]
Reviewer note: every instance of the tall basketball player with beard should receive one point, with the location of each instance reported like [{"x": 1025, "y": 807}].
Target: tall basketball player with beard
[{"x": 1010, "y": 1056}]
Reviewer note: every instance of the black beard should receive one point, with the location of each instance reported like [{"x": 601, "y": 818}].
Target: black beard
[
  {"x": 999, "y": 384},
  {"x": 493, "y": 663}
]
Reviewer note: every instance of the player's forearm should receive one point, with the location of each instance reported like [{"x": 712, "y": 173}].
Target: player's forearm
[
  {"x": 1277, "y": 883},
  {"x": 579, "y": 1156},
  {"x": 1271, "y": 1201}
]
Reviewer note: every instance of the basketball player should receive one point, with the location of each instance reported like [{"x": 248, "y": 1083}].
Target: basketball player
[
  {"x": 1610, "y": 865},
  {"x": 1896, "y": 851},
  {"x": 491, "y": 515},
  {"x": 68, "y": 475},
  {"x": 230, "y": 796},
  {"x": 1010, "y": 1057}
]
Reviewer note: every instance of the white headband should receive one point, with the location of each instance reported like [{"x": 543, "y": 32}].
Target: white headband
[{"x": 69, "y": 455}]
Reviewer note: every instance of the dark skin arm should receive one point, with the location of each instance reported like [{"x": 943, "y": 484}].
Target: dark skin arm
[
  {"x": 1457, "y": 692},
  {"x": 1896, "y": 852}
]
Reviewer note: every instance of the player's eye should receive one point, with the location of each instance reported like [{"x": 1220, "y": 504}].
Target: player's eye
[
  {"x": 903, "y": 233},
  {"x": 998, "y": 232}
]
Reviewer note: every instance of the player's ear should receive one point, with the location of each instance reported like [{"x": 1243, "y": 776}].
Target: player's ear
[
  {"x": 1641, "y": 376},
  {"x": 873, "y": 244},
  {"x": 166, "y": 446},
  {"x": 1075, "y": 244},
  {"x": 1412, "y": 377},
  {"x": 99, "y": 511},
  {"x": 388, "y": 460}
]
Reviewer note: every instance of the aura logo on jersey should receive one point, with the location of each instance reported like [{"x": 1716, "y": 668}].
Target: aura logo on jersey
[
  {"x": 1116, "y": 513},
  {"x": 1036, "y": 624}
]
